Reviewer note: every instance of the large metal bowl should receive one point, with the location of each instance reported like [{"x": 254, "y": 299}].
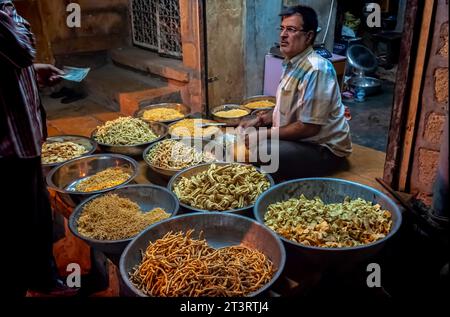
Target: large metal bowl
[
  {"x": 185, "y": 110},
  {"x": 145, "y": 195},
  {"x": 89, "y": 144},
  {"x": 66, "y": 176},
  {"x": 136, "y": 149},
  {"x": 259, "y": 98},
  {"x": 330, "y": 190},
  {"x": 191, "y": 171},
  {"x": 370, "y": 85},
  {"x": 220, "y": 230},
  {"x": 231, "y": 122},
  {"x": 199, "y": 144}
]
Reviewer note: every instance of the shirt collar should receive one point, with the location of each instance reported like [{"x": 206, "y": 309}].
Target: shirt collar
[{"x": 294, "y": 60}]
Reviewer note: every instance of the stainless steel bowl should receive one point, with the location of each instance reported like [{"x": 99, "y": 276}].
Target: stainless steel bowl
[
  {"x": 229, "y": 121},
  {"x": 259, "y": 98},
  {"x": 89, "y": 144},
  {"x": 370, "y": 85},
  {"x": 219, "y": 229},
  {"x": 191, "y": 171},
  {"x": 199, "y": 144},
  {"x": 185, "y": 110},
  {"x": 145, "y": 195},
  {"x": 66, "y": 176},
  {"x": 136, "y": 149},
  {"x": 330, "y": 190}
]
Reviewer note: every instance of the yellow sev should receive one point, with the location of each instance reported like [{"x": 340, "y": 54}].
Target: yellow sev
[
  {"x": 162, "y": 114},
  {"x": 107, "y": 178},
  {"x": 233, "y": 113}
]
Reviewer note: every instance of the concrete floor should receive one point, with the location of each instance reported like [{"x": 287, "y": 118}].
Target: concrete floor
[{"x": 370, "y": 119}]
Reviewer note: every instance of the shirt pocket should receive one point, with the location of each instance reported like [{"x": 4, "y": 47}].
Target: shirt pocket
[{"x": 287, "y": 94}]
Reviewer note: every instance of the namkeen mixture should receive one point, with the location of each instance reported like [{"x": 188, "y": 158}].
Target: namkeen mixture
[
  {"x": 124, "y": 131},
  {"x": 162, "y": 114},
  {"x": 232, "y": 113},
  {"x": 260, "y": 104},
  {"x": 190, "y": 128},
  {"x": 56, "y": 152},
  {"x": 173, "y": 154},
  {"x": 312, "y": 222},
  {"x": 107, "y": 178},
  {"x": 179, "y": 265},
  {"x": 111, "y": 217},
  {"x": 225, "y": 187}
]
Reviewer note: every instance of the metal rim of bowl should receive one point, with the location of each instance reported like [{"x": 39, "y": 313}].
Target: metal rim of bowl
[
  {"x": 259, "y": 98},
  {"x": 393, "y": 230},
  {"x": 159, "y": 169},
  {"x": 53, "y": 171},
  {"x": 139, "y": 113},
  {"x": 266, "y": 286},
  {"x": 166, "y": 128},
  {"x": 90, "y": 140},
  {"x": 177, "y": 175},
  {"x": 76, "y": 213},
  {"x": 207, "y": 137}
]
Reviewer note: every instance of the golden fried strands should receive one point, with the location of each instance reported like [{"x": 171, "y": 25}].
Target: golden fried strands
[
  {"x": 162, "y": 114},
  {"x": 259, "y": 104},
  {"x": 178, "y": 265},
  {"x": 173, "y": 154},
  {"x": 232, "y": 113},
  {"x": 111, "y": 217},
  {"x": 313, "y": 223},
  {"x": 107, "y": 178},
  {"x": 221, "y": 188},
  {"x": 189, "y": 128},
  {"x": 56, "y": 152},
  {"x": 125, "y": 131}
]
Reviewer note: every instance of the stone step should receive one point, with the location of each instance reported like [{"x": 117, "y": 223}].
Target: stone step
[{"x": 106, "y": 85}]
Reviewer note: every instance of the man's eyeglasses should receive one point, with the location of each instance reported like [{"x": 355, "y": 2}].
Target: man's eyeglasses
[{"x": 289, "y": 29}]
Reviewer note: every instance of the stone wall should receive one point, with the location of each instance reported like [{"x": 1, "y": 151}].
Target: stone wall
[
  {"x": 104, "y": 25},
  {"x": 434, "y": 109}
]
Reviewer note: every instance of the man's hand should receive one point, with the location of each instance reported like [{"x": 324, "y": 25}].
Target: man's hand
[{"x": 47, "y": 75}]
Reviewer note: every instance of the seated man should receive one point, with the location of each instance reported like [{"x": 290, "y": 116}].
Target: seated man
[{"x": 314, "y": 136}]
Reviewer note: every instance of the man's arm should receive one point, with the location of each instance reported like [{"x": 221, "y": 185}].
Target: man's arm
[
  {"x": 298, "y": 130},
  {"x": 16, "y": 46}
]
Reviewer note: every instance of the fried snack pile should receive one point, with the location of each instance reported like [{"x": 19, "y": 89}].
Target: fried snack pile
[
  {"x": 314, "y": 223},
  {"x": 173, "y": 154},
  {"x": 162, "y": 114},
  {"x": 233, "y": 113},
  {"x": 259, "y": 104},
  {"x": 111, "y": 217},
  {"x": 221, "y": 188},
  {"x": 56, "y": 152},
  {"x": 178, "y": 265},
  {"x": 124, "y": 131},
  {"x": 189, "y": 128},
  {"x": 107, "y": 178}
]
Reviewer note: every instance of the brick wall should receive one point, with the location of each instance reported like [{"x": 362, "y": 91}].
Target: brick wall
[{"x": 434, "y": 109}]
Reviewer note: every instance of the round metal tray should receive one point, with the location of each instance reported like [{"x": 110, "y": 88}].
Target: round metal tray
[
  {"x": 89, "y": 144},
  {"x": 330, "y": 190},
  {"x": 259, "y": 98},
  {"x": 219, "y": 230},
  {"x": 168, "y": 172},
  {"x": 64, "y": 177},
  {"x": 136, "y": 149},
  {"x": 145, "y": 195},
  {"x": 231, "y": 122},
  {"x": 194, "y": 170},
  {"x": 185, "y": 110}
]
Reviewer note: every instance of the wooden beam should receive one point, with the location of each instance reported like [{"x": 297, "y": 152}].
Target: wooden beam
[
  {"x": 401, "y": 95},
  {"x": 416, "y": 91}
]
